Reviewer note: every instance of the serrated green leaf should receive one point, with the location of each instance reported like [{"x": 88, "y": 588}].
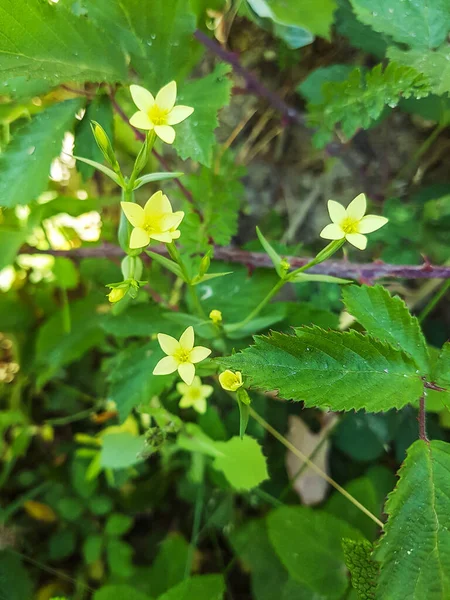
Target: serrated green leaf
[
  {"x": 342, "y": 371},
  {"x": 195, "y": 136},
  {"x": 414, "y": 551},
  {"x": 157, "y": 34},
  {"x": 121, "y": 450},
  {"x": 308, "y": 543},
  {"x": 433, "y": 64},
  {"x": 25, "y": 163},
  {"x": 388, "y": 318},
  {"x": 152, "y": 177},
  {"x": 200, "y": 587},
  {"x": 359, "y": 35},
  {"x": 440, "y": 373},
  {"x": 423, "y": 24},
  {"x": 364, "y": 571},
  {"x": 44, "y": 41},
  {"x": 130, "y": 374},
  {"x": 311, "y": 87},
  {"x": 360, "y": 100},
  {"x": 99, "y": 110}
]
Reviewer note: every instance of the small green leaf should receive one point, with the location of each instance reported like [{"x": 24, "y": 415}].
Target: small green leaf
[
  {"x": 342, "y": 371},
  {"x": 388, "y": 318},
  {"x": 242, "y": 462},
  {"x": 25, "y": 163},
  {"x": 308, "y": 543},
  {"x": 208, "y": 277},
  {"x": 168, "y": 568},
  {"x": 92, "y": 548},
  {"x": 119, "y": 592},
  {"x": 170, "y": 265},
  {"x": 363, "y": 569},
  {"x": 414, "y": 551},
  {"x": 199, "y": 587},
  {"x": 152, "y": 177},
  {"x": 302, "y": 277},
  {"x": 121, "y": 450},
  {"x": 441, "y": 369},
  {"x": 118, "y": 524},
  {"x": 105, "y": 170},
  {"x": 273, "y": 254}
]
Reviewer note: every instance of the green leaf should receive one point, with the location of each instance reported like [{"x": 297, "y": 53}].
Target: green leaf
[
  {"x": 195, "y": 136},
  {"x": 414, "y": 551},
  {"x": 303, "y": 277},
  {"x": 105, "y": 170},
  {"x": 242, "y": 462},
  {"x": 44, "y": 41},
  {"x": 152, "y": 177},
  {"x": 62, "y": 544},
  {"x": 433, "y": 64},
  {"x": 15, "y": 582},
  {"x": 440, "y": 374},
  {"x": 158, "y": 36},
  {"x": 209, "y": 276},
  {"x": 273, "y": 254},
  {"x": 311, "y": 87},
  {"x": 121, "y": 450},
  {"x": 99, "y": 110},
  {"x": 363, "y": 569},
  {"x": 168, "y": 264},
  {"x": 25, "y": 163},
  {"x": 359, "y": 35},
  {"x": 422, "y": 24},
  {"x": 140, "y": 320},
  {"x": 199, "y": 587},
  {"x": 65, "y": 272},
  {"x": 342, "y": 371},
  {"x": 316, "y": 17},
  {"x": 92, "y": 548},
  {"x": 308, "y": 543},
  {"x": 388, "y": 318},
  {"x": 131, "y": 377},
  {"x": 169, "y": 566},
  {"x": 120, "y": 558},
  {"x": 11, "y": 241},
  {"x": 118, "y": 524},
  {"x": 119, "y": 592},
  {"x": 360, "y": 100}
]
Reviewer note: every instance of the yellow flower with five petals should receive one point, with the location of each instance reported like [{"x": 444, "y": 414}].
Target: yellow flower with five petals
[
  {"x": 231, "y": 381},
  {"x": 156, "y": 221},
  {"x": 194, "y": 395},
  {"x": 351, "y": 222},
  {"x": 160, "y": 113},
  {"x": 181, "y": 355}
]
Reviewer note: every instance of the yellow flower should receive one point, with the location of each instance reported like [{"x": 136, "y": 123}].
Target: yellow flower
[
  {"x": 194, "y": 395},
  {"x": 117, "y": 294},
  {"x": 158, "y": 113},
  {"x": 350, "y": 223},
  {"x": 181, "y": 355},
  {"x": 215, "y": 316},
  {"x": 156, "y": 221},
  {"x": 231, "y": 381}
]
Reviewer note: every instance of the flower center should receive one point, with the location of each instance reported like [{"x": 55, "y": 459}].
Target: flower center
[
  {"x": 157, "y": 115},
  {"x": 350, "y": 225},
  {"x": 183, "y": 356},
  {"x": 195, "y": 394},
  {"x": 153, "y": 225}
]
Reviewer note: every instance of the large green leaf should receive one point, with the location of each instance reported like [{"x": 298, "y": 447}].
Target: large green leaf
[
  {"x": 25, "y": 164},
  {"x": 435, "y": 64},
  {"x": 195, "y": 136},
  {"x": 199, "y": 587},
  {"x": 308, "y": 543},
  {"x": 169, "y": 566},
  {"x": 157, "y": 34},
  {"x": 342, "y": 371},
  {"x": 47, "y": 42},
  {"x": 131, "y": 377},
  {"x": 414, "y": 551},
  {"x": 388, "y": 318},
  {"x": 363, "y": 569},
  {"x": 422, "y": 24},
  {"x": 14, "y": 580},
  {"x": 440, "y": 374},
  {"x": 140, "y": 320}
]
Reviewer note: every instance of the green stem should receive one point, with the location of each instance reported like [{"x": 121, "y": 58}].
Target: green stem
[
  {"x": 176, "y": 256},
  {"x": 434, "y": 301},
  {"x": 198, "y": 509},
  {"x": 324, "y": 254},
  {"x": 277, "y": 435},
  {"x": 255, "y": 312}
]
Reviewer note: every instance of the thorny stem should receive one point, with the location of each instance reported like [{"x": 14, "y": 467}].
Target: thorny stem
[
  {"x": 422, "y": 420},
  {"x": 277, "y": 435}
]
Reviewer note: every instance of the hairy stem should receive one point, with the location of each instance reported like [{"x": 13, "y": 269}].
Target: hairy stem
[{"x": 423, "y": 420}]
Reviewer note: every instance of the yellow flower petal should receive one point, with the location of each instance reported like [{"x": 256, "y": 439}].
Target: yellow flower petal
[
  {"x": 172, "y": 220},
  {"x": 134, "y": 213},
  {"x": 357, "y": 240},
  {"x": 141, "y": 97},
  {"x": 199, "y": 353},
  {"x": 166, "y": 366},
  {"x": 166, "y": 96},
  {"x": 336, "y": 211},
  {"x": 139, "y": 238},
  {"x": 185, "y": 401},
  {"x": 182, "y": 388},
  {"x": 141, "y": 120},
  {"x": 179, "y": 114},
  {"x": 200, "y": 406},
  {"x": 175, "y": 234},
  {"x": 332, "y": 232},
  {"x": 187, "y": 339},
  {"x": 230, "y": 381},
  {"x": 165, "y": 237},
  {"x": 186, "y": 372},
  {"x": 165, "y": 132},
  {"x": 206, "y": 390},
  {"x": 168, "y": 343},
  {"x": 357, "y": 207},
  {"x": 157, "y": 204},
  {"x": 371, "y": 223}
]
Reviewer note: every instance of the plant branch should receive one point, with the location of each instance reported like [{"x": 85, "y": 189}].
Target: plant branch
[
  {"x": 422, "y": 420},
  {"x": 366, "y": 272}
]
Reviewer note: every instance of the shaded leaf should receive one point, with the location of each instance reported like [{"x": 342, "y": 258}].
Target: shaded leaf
[{"x": 363, "y": 569}]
